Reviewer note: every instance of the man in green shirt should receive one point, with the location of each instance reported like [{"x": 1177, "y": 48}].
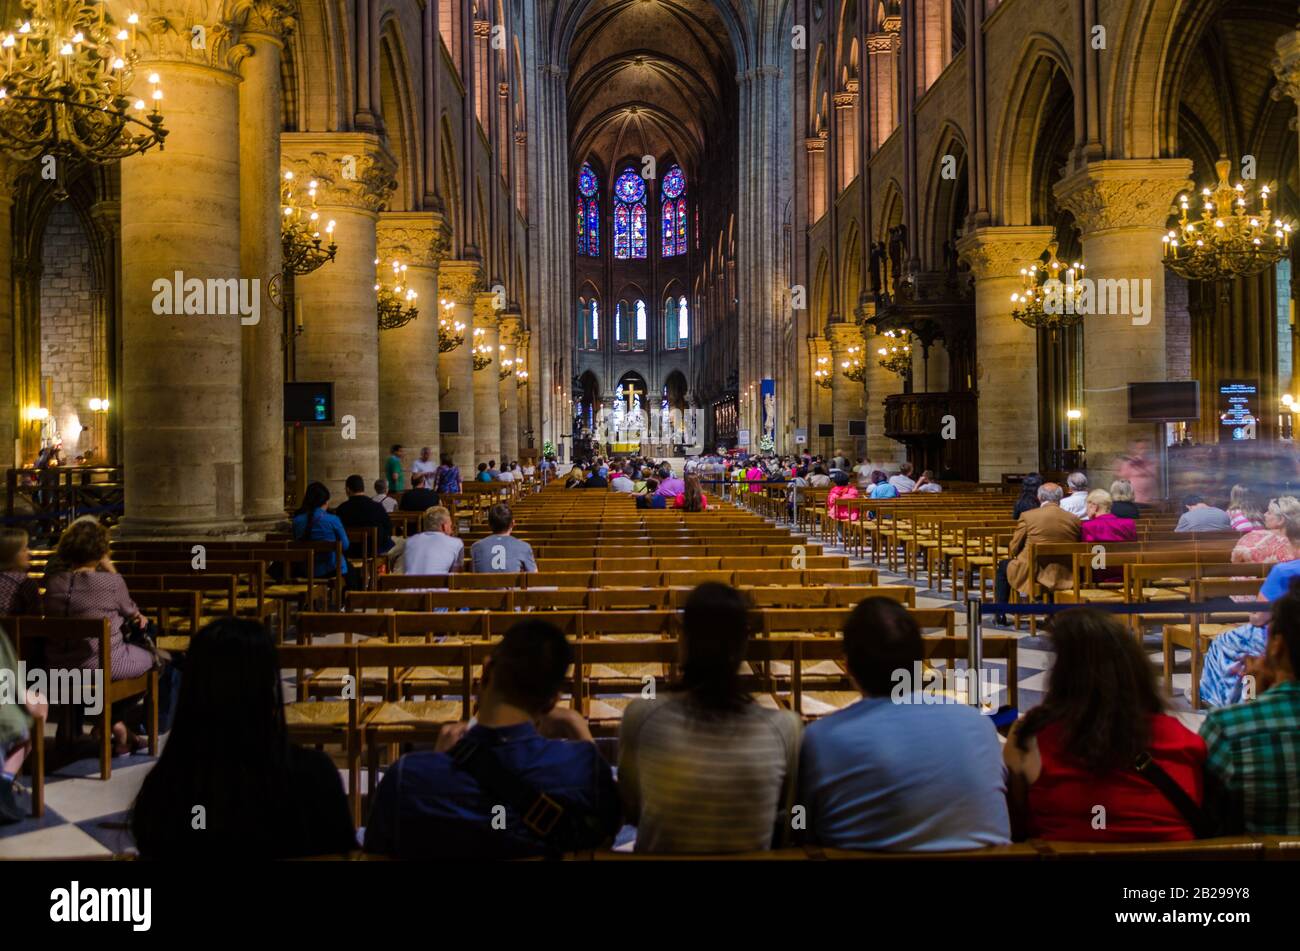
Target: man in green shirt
[
  {"x": 393, "y": 469},
  {"x": 1252, "y": 769}
]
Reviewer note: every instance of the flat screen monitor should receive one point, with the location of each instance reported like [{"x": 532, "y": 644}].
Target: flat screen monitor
[
  {"x": 309, "y": 404},
  {"x": 449, "y": 422},
  {"x": 1162, "y": 402}
]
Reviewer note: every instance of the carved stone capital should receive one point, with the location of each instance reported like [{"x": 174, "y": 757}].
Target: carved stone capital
[
  {"x": 485, "y": 309},
  {"x": 273, "y": 18},
  {"x": 1286, "y": 67},
  {"x": 416, "y": 238},
  {"x": 1118, "y": 194},
  {"x": 511, "y": 327},
  {"x": 196, "y": 32},
  {"x": 352, "y": 169},
  {"x": 1001, "y": 252},
  {"x": 460, "y": 281},
  {"x": 843, "y": 335}
]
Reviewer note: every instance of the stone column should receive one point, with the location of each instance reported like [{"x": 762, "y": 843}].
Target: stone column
[
  {"x": 1006, "y": 361},
  {"x": 510, "y": 395},
  {"x": 182, "y": 404},
  {"x": 1286, "y": 66},
  {"x": 458, "y": 282},
  {"x": 487, "y": 400},
  {"x": 9, "y": 410},
  {"x": 265, "y": 24},
  {"x": 846, "y": 395},
  {"x": 524, "y": 394},
  {"x": 1122, "y": 208},
  {"x": 408, "y": 356},
  {"x": 340, "y": 339}
]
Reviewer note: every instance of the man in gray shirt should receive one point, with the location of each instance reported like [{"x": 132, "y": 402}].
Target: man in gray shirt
[
  {"x": 500, "y": 551},
  {"x": 1201, "y": 516}
]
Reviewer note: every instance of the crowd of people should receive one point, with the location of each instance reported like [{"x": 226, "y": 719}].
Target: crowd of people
[{"x": 704, "y": 768}]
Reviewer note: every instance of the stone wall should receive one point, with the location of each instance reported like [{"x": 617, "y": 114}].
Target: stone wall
[{"x": 67, "y": 328}]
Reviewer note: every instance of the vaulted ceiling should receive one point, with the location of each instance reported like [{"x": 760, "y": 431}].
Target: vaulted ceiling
[{"x": 648, "y": 77}]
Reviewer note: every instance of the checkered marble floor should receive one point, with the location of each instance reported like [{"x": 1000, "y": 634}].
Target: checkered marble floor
[{"x": 86, "y": 816}]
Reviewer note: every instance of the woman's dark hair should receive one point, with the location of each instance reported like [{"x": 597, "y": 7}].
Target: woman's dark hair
[
  {"x": 878, "y": 477},
  {"x": 881, "y": 638},
  {"x": 715, "y": 633},
  {"x": 692, "y": 495},
  {"x": 841, "y": 478},
  {"x": 651, "y": 485},
  {"x": 313, "y": 497},
  {"x": 446, "y": 459},
  {"x": 228, "y": 752},
  {"x": 1101, "y": 691},
  {"x": 82, "y": 542}
]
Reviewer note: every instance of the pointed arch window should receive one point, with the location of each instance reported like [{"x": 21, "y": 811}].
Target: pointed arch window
[
  {"x": 621, "y": 311},
  {"x": 641, "y": 326},
  {"x": 629, "y": 216},
  {"x": 588, "y": 212},
  {"x": 672, "y": 213}
]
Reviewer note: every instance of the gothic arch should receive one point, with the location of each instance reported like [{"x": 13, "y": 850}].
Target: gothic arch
[{"x": 945, "y": 197}]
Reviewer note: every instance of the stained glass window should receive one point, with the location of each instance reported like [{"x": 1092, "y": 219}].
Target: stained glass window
[
  {"x": 629, "y": 215},
  {"x": 683, "y": 322},
  {"x": 640, "y": 325},
  {"x": 673, "y": 217},
  {"x": 593, "y": 227},
  {"x": 667, "y": 224},
  {"x": 586, "y": 182},
  {"x": 670, "y": 323},
  {"x": 582, "y": 226},
  {"x": 595, "y": 323},
  {"x": 681, "y": 226},
  {"x": 588, "y": 212}
]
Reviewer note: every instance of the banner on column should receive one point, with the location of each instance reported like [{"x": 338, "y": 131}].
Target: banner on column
[{"x": 767, "y": 391}]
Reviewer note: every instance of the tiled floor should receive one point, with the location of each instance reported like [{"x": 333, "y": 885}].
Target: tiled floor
[{"x": 86, "y": 816}]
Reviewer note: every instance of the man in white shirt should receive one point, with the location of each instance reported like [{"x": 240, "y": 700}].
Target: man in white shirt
[
  {"x": 1076, "y": 503},
  {"x": 903, "y": 482},
  {"x": 507, "y": 472},
  {"x": 383, "y": 498},
  {"x": 619, "y": 482},
  {"x": 425, "y": 464},
  {"x": 435, "y": 551}
]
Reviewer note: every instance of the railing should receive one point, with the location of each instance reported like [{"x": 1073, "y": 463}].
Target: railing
[{"x": 45, "y": 501}]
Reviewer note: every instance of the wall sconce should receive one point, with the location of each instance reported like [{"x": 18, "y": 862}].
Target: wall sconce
[
  {"x": 1073, "y": 414},
  {"x": 36, "y": 414},
  {"x": 1289, "y": 403},
  {"x": 98, "y": 405}
]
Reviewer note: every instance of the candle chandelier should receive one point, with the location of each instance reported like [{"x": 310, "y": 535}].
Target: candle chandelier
[
  {"x": 451, "y": 332},
  {"x": 521, "y": 376},
  {"x": 822, "y": 375},
  {"x": 300, "y": 231},
  {"x": 897, "y": 357},
  {"x": 1229, "y": 240},
  {"x": 1052, "y": 294},
  {"x": 507, "y": 364},
  {"x": 66, "y": 77},
  {"x": 853, "y": 366},
  {"x": 396, "y": 301},
  {"x": 482, "y": 352}
]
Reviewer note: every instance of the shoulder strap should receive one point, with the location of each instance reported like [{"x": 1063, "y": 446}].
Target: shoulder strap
[{"x": 1155, "y": 774}]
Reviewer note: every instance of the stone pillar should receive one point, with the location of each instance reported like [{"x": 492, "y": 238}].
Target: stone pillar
[
  {"x": 265, "y": 24},
  {"x": 458, "y": 282},
  {"x": 408, "y": 356},
  {"x": 847, "y": 396},
  {"x": 340, "y": 339},
  {"x": 510, "y": 395},
  {"x": 1286, "y": 66},
  {"x": 9, "y": 410},
  {"x": 1006, "y": 362},
  {"x": 1122, "y": 208},
  {"x": 182, "y": 404},
  {"x": 487, "y": 399},
  {"x": 524, "y": 394}
]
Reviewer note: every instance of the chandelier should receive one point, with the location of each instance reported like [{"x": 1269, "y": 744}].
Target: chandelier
[
  {"x": 300, "y": 235},
  {"x": 1048, "y": 300},
  {"x": 822, "y": 375},
  {"x": 521, "y": 377},
  {"x": 1228, "y": 241},
  {"x": 853, "y": 366},
  {"x": 507, "y": 364},
  {"x": 897, "y": 358},
  {"x": 451, "y": 332},
  {"x": 65, "y": 88},
  {"x": 396, "y": 302},
  {"x": 482, "y": 352}
]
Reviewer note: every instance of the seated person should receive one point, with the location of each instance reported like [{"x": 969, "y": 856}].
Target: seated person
[
  {"x": 383, "y": 498},
  {"x": 595, "y": 480},
  {"x": 446, "y": 804},
  {"x": 703, "y": 768},
  {"x": 501, "y": 551},
  {"x": 1253, "y": 748},
  {"x": 1225, "y": 659},
  {"x": 651, "y": 499},
  {"x": 1278, "y": 540},
  {"x": 691, "y": 498},
  {"x": 842, "y": 490},
  {"x": 926, "y": 483},
  {"x": 315, "y": 523},
  {"x": 483, "y": 475},
  {"x": 903, "y": 481},
  {"x": 881, "y": 487},
  {"x": 1201, "y": 516},
  {"x": 361, "y": 511},
  {"x": 263, "y": 796},
  {"x": 16, "y": 721},
  {"x": 1047, "y": 523},
  {"x": 621, "y": 483},
  {"x": 1074, "y": 759},
  {"x": 1101, "y": 524},
  {"x": 1122, "y": 504},
  {"x": 419, "y": 496},
  {"x": 575, "y": 478},
  {"x": 19, "y": 594},
  {"x": 897, "y": 770},
  {"x": 435, "y": 550}
]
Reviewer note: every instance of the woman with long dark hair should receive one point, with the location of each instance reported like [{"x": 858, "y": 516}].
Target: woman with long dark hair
[
  {"x": 1029, "y": 487},
  {"x": 229, "y": 756},
  {"x": 314, "y": 522},
  {"x": 705, "y": 768},
  {"x": 691, "y": 498},
  {"x": 1096, "y": 759}
]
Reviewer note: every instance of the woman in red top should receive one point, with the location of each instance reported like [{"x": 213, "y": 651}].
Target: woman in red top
[
  {"x": 1072, "y": 758},
  {"x": 691, "y": 498}
]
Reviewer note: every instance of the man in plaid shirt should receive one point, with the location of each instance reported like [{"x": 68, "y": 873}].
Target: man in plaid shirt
[{"x": 1253, "y": 766}]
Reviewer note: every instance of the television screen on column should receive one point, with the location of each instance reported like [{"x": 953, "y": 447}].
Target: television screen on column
[
  {"x": 309, "y": 404},
  {"x": 1164, "y": 402},
  {"x": 449, "y": 423}
]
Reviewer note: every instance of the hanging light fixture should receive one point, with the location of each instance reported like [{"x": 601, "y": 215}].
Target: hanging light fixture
[
  {"x": 396, "y": 302},
  {"x": 482, "y": 352},
  {"x": 1229, "y": 241},
  {"x": 1052, "y": 294},
  {"x": 451, "y": 332},
  {"x": 822, "y": 375},
  {"x": 853, "y": 366},
  {"x": 521, "y": 377},
  {"x": 897, "y": 357},
  {"x": 507, "y": 364},
  {"x": 66, "y": 88},
  {"x": 300, "y": 230}
]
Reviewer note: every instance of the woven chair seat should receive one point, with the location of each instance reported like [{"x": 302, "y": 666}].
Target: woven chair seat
[
  {"x": 288, "y": 590},
  {"x": 1181, "y": 634},
  {"x": 624, "y": 671},
  {"x": 176, "y": 643},
  {"x": 336, "y": 675},
  {"x": 319, "y": 713},
  {"x": 417, "y": 676},
  {"x": 416, "y": 712},
  {"x": 823, "y": 668},
  {"x": 822, "y": 702},
  {"x": 1090, "y": 596}
]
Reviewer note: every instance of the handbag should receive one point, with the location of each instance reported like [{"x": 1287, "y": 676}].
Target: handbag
[{"x": 1202, "y": 826}]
